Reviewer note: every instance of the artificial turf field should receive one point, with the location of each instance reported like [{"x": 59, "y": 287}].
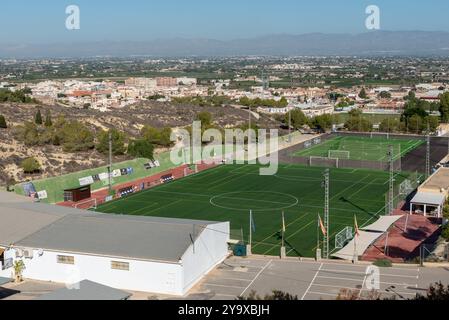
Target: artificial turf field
[
  {"x": 228, "y": 192},
  {"x": 362, "y": 148}
]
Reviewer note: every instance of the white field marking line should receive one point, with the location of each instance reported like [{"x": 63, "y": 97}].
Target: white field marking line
[
  {"x": 223, "y": 182},
  {"x": 415, "y": 144},
  {"x": 338, "y": 287},
  {"x": 170, "y": 204},
  {"x": 230, "y": 177},
  {"x": 310, "y": 285},
  {"x": 302, "y": 228},
  {"x": 358, "y": 280},
  {"x": 294, "y": 221},
  {"x": 258, "y": 200},
  {"x": 184, "y": 193},
  {"x": 345, "y": 210},
  {"x": 145, "y": 207},
  {"x": 257, "y": 275},
  {"x": 363, "y": 273},
  {"x": 221, "y": 285},
  {"x": 394, "y": 177},
  {"x": 363, "y": 187},
  {"x": 351, "y": 186},
  {"x": 237, "y": 171},
  {"x": 309, "y": 179}
]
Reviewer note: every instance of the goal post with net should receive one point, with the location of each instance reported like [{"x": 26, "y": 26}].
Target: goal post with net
[
  {"x": 339, "y": 154},
  {"x": 343, "y": 237},
  {"x": 87, "y": 205}
]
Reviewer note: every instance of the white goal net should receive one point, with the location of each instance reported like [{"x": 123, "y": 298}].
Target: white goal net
[
  {"x": 323, "y": 162},
  {"x": 342, "y": 238},
  {"x": 87, "y": 205},
  {"x": 339, "y": 154}
]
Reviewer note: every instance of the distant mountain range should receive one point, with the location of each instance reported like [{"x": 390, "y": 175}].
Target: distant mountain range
[{"x": 421, "y": 43}]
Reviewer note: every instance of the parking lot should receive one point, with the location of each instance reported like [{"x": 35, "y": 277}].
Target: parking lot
[{"x": 311, "y": 280}]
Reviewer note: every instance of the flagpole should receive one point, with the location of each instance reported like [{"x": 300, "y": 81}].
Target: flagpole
[
  {"x": 318, "y": 232},
  {"x": 355, "y": 258},
  {"x": 283, "y": 251},
  {"x": 250, "y": 227},
  {"x": 283, "y": 230}
]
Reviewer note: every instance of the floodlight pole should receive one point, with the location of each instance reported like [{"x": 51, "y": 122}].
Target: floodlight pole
[
  {"x": 110, "y": 161},
  {"x": 391, "y": 187},
  {"x": 326, "y": 214}
]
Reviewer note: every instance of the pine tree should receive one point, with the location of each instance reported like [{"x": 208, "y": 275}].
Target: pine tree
[
  {"x": 3, "y": 124},
  {"x": 362, "y": 94},
  {"x": 38, "y": 117},
  {"x": 48, "y": 122}
]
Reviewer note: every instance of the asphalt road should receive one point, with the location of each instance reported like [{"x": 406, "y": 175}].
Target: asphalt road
[{"x": 311, "y": 280}]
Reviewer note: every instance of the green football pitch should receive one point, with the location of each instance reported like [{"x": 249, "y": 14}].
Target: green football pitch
[
  {"x": 360, "y": 148},
  {"x": 229, "y": 192}
]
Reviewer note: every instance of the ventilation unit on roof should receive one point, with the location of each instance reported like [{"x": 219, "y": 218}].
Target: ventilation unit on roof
[
  {"x": 19, "y": 253},
  {"x": 28, "y": 253}
]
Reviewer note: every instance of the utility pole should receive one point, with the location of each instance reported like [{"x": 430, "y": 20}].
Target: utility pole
[
  {"x": 326, "y": 214},
  {"x": 110, "y": 161},
  {"x": 391, "y": 186}
]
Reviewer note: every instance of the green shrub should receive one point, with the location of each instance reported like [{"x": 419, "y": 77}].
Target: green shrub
[
  {"x": 445, "y": 232},
  {"x": 3, "y": 124},
  {"x": 383, "y": 263},
  {"x": 30, "y": 165}
]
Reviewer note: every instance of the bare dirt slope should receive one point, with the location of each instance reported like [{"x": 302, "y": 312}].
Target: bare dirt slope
[{"x": 129, "y": 119}]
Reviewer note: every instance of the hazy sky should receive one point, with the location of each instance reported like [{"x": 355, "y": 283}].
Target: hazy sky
[{"x": 43, "y": 21}]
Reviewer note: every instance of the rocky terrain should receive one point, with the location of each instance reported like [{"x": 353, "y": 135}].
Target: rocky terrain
[{"x": 129, "y": 120}]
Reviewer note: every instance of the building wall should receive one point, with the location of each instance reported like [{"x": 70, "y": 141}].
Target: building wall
[
  {"x": 210, "y": 249},
  {"x": 143, "y": 276}
]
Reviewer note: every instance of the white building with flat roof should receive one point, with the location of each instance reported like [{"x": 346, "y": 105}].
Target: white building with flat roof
[{"x": 147, "y": 254}]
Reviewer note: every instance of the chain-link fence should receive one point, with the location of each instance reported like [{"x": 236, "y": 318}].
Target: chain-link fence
[
  {"x": 402, "y": 192},
  {"x": 411, "y": 161},
  {"x": 289, "y": 156}
]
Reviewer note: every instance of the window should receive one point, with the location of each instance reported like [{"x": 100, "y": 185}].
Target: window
[
  {"x": 66, "y": 259},
  {"x": 116, "y": 265}
]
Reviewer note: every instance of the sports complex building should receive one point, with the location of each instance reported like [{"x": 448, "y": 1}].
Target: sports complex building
[
  {"x": 166, "y": 226},
  {"x": 146, "y": 254}
]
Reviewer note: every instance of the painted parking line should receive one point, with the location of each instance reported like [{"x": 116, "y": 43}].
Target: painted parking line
[
  {"x": 358, "y": 280},
  {"x": 222, "y": 285},
  {"x": 233, "y": 279},
  {"x": 251, "y": 283},
  {"x": 311, "y": 283},
  {"x": 363, "y": 273}
]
